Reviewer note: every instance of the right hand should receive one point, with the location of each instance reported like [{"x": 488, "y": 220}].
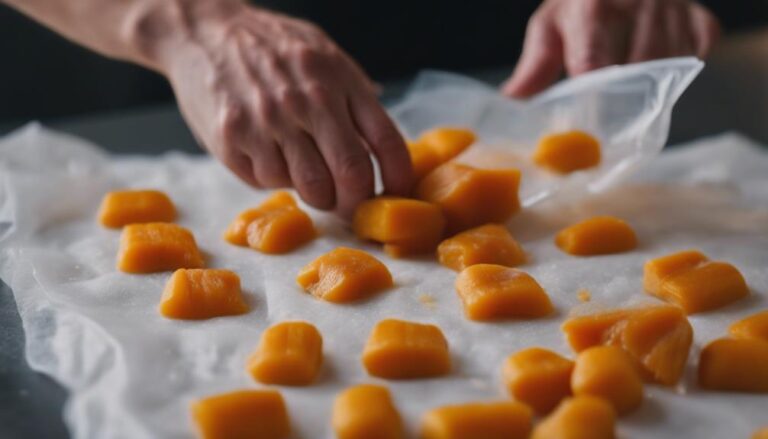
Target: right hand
[{"x": 282, "y": 105}]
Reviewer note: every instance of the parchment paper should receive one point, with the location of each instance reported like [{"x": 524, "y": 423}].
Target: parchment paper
[{"x": 133, "y": 373}]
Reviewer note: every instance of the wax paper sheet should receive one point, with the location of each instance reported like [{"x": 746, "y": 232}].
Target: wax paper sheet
[{"x": 132, "y": 374}]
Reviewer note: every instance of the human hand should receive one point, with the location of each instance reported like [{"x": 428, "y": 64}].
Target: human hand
[
  {"x": 583, "y": 35},
  {"x": 282, "y": 105}
]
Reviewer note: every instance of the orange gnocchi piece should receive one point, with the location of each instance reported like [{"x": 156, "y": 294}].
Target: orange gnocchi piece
[
  {"x": 471, "y": 197},
  {"x": 289, "y": 353},
  {"x": 491, "y": 292},
  {"x": 488, "y": 244},
  {"x": 659, "y": 338},
  {"x": 494, "y": 420},
  {"x": 398, "y": 349},
  {"x": 761, "y": 433},
  {"x": 405, "y": 226},
  {"x": 690, "y": 280},
  {"x": 193, "y": 294},
  {"x": 538, "y": 377},
  {"x": 438, "y": 146},
  {"x": 735, "y": 364},
  {"x": 121, "y": 208},
  {"x": 608, "y": 372},
  {"x": 754, "y": 326},
  {"x": 237, "y": 232},
  {"x": 366, "y": 411},
  {"x": 344, "y": 275},
  {"x": 280, "y": 230},
  {"x": 580, "y": 417},
  {"x": 567, "y": 152},
  {"x": 600, "y": 235},
  {"x": 242, "y": 414},
  {"x": 153, "y": 247}
]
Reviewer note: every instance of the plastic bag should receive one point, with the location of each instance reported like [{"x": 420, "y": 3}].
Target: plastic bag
[{"x": 627, "y": 107}]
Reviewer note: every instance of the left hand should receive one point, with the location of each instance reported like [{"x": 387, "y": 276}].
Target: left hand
[{"x": 583, "y": 35}]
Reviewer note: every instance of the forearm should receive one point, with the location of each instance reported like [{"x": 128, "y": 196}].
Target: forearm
[{"x": 140, "y": 31}]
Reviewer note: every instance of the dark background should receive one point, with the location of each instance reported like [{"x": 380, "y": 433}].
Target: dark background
[{"x": 127, "y": 109}]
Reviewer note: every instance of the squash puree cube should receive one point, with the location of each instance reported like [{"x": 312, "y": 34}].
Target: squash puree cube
[
  {"x": 600, "y": 235},
  {"x": 237, "y": 233},
  {"x": 423, "y": 158},
  {"x": 366, "y": 411},
  {"x": 567, "y": 152},
  {"x": 690, "y": 280},
  {"x": 735, "y": 364},
  {"x": 242, "y": 414},
  {"x": 488, "y": 244},
  {"x": 289, "y": 353},
  {"x": 196, "y": 293},
  {"x": 493, "y": 420},
  {"x": 538, "y": 377},
  {"x": 657, "y": 337},
  {"x": 280, "y": 230},
  {"x": 120, "y": 208},
  {"x": 438, "y": 146},
  {"x": 608, "y": 372},
  {"x": 754, "y": 326},
  {"x": 344, "y": 275},
  {"x": 397, "y": 349},
  {"x": 491, "y": 292},
  {"x": 153, "y": 247},
  {"x": 402, "y": 223},
  {"x": 580, "y": 417},
  {"x": 471, "y": 197}
]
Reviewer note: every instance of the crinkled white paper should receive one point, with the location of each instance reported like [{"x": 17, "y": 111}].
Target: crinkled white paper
[{"x": 132, "y": 374}]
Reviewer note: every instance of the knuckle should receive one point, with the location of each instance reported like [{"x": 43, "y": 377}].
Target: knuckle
[
  {"x": 317, "y": 92},
  {"x": 290, "y": 99},
  {"x": 267, "y": 112},
  {"x": 594, "y": 9},
  {"x": 353, "y": 168}
]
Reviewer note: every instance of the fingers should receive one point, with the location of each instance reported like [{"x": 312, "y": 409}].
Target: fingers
[
  {"x": 678, "y": 26},
  {"x": 341, "y": 146},
  {"x": 385, "y": 143},
  {"x": 704, "y": 28},
  {"x": 541, "y": 61},
  {"x": 308, "y": 172},
  {"x": 597, "y": 37},
  {"x": 649, "y": 40}
]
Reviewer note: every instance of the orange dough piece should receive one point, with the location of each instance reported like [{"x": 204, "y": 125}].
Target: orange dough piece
[
  {"x": 488, "y": 244},
  {"x": 580, "y": 417},
  {"x": 280, "y": 230},
  {"x": 735, "y": 364},
  {"x": 491, "y": 292},
  {"x": 344, "y": 275},
  {"x": 657, "y": 337},
  {"x": 366, "y": 411},
  {"x": 690, "y": 280},
  {"x": 494, "y": 420},
  {"x": 761, "y": 433},
  {"x": 538, "y": 377},
  {"x": 402, "y": 224},
  {"x": 438, "y": 146},
  {"x": 397, "y": 349},
  {"x": 754, "y": 326},
  {"x": 153, "y": 247},
  {"x": 289, "y": 353},
  {"x": 608, "y": 372},
  {"x": 121, "y": 208},
  {"x": 471, "y": 197},
  {"x": 567, "y": 152},
  {"x": 237, "y": 232},
  {"x": 242, "y": 414},
  {"x": 193, "y": 294},
  {"x": 600, "y": 235}
]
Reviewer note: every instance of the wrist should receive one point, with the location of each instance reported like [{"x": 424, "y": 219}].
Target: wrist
[{"x": 158, "y": 31}]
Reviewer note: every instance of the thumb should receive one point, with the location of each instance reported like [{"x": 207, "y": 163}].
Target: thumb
[{"x": 541, "y": 62}]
